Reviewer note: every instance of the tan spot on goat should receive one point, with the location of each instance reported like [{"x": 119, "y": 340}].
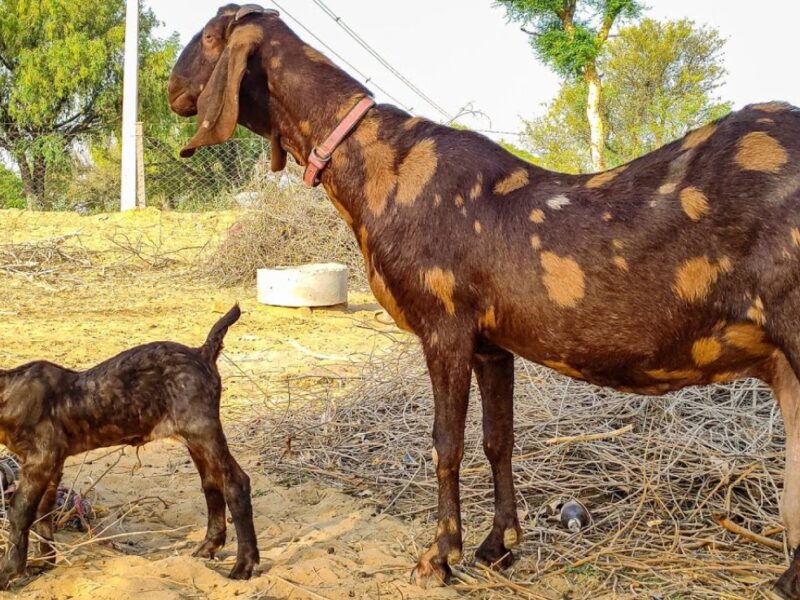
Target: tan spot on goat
[
  {"x": 304, "y": 127},
  {"x": 676, "y": 375},
  {"x": 724, "y": 377},
  {"x": 458, "y": 200},
  {"x": 477, "y": 189},
  {"x": 478, "y": 227},
  {"x": 315, "y": 55},
  {"x": 537, "y": 216},
  {"x": 536, "y": 242},
  {"x": 705, "y": 351},
  {"x": 772, "y": 107},
  {"x": 488, "y": 320},
  {"x": 765, "y": 121},
  {"x": 363, "y": 238},
  {"x": 563, "y": 368},
  {"x": 416, "y": 171},
  {"x": 796, "y": 236},
  {"x": 694, "y": 203},
  {"x": 748, "y": 337},
  {"x": 694, "y": 278},
  {"x": 605, "y": 177},
  {"x": 621, "y": 263},
  {"x": 698, "y": 136},
  {"x": 441, "y": 284},
  {"x": 386, "y": 299},
  {"x": 411, "y": 123},
  {"x": 758, "y": 151},
  {"x": 275, "y": 62},
  {"x": 564, "y": 279},
  {"x": 437, "y": 200},
  {"x": 517, "y": 180},
  {"x": 558, "y": 202},
  {"x": 379, "y": 164},
  {"x": 756, "y": 312},
  {"x": 667, "y": 188},
  {"x": 618, "y": 244},
  {"x": 607, "y": 216}
]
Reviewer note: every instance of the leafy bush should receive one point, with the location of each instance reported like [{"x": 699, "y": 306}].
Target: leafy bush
[{"x": 11, "y": 193}]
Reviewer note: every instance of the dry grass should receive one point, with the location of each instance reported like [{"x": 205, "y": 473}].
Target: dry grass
[
  {"x": 289, "y": 225},
  {"x": 652, "y": 491}
]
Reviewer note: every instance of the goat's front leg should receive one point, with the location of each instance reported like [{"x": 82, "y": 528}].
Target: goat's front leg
[
  {"x": 450, "y": 370},
  {"x": 34, "y": 479},
  {"x": 494, "y": 370}
]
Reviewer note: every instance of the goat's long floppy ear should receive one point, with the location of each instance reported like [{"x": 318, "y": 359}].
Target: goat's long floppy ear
[{"x": 218, "y": 105}]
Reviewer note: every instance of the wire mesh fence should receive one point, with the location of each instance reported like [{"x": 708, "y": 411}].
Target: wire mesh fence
[
  {"x": 56, "y": 171},
  {"x": 235, "y": 173}
]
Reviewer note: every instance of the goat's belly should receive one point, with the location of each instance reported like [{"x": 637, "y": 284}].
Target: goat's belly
[{"x": 714, "y": 358}]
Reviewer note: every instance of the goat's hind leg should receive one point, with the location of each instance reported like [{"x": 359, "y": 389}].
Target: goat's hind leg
[
  {"x": 494, "y": 370},
  {"x": 44, "y": 524},
  {"x": 211, "y": 449}
]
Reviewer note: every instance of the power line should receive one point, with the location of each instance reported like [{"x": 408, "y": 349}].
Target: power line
[
  {"x": 338, "y": 20},
  {"x": 367, "y": 79}
]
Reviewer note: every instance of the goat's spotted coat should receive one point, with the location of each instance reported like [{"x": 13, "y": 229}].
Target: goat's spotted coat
[{"x": 679, "y": 268}]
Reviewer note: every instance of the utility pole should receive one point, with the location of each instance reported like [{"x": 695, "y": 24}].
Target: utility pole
[{"x": 130, "y": 87}]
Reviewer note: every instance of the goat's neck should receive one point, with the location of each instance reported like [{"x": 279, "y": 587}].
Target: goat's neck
[{"x": 309, "y": 97}]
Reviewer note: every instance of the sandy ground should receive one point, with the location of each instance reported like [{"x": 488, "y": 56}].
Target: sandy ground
[{"x": 138, "y": 286}]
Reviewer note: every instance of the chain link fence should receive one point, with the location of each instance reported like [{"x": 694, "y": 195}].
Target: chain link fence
[{"x": 82, "y": 172}]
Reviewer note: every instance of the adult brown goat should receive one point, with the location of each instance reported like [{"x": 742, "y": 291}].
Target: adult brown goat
[{"x": 680, "y": 268}]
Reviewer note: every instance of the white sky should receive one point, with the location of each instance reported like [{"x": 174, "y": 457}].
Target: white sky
[{"x": 462, "y": 51}]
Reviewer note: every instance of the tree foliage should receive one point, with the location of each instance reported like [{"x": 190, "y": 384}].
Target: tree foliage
[
  {"x": 569, "y": 36},
  {"x": 61, "y": 77},
  {"x": 660, "y": 79}
]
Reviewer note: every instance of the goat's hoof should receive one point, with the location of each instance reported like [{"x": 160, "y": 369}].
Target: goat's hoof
[
  {"x": 428, "y": 574},
  {"x": 496, "y": 559},
  {"x": 242, "y": 569},
  {"x": 208, "y": 548}
]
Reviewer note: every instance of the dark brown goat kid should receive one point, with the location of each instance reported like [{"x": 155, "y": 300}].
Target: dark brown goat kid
[
  {"x": 680, "y": 268},
  {"x": 158, "y": 390}
]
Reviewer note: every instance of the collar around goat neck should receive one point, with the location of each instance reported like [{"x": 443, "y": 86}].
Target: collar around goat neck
[{"x": 321, "y": 155}]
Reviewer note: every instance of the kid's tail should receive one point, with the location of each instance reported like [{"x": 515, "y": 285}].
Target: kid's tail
[{"x": 213, "y": 345}]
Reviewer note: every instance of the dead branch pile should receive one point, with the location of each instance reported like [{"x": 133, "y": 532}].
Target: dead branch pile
[
  {"x": 44, "y": 259},
  {"x": 288, "y": 225},
  {"x": 667, "y": 479}
]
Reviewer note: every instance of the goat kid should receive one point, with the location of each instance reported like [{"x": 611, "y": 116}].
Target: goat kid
[{"x": 153, "y": 391}]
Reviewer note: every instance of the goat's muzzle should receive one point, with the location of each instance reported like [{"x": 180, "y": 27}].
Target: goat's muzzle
[{"x": 180, "y": 98}]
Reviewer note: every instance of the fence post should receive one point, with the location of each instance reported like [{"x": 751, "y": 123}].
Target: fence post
[
  {"x": 130, "y": 88},
  {"x": 141, "y": 197}
]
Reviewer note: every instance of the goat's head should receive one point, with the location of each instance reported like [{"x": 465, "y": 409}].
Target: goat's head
[{"x": 220, "y": 78}]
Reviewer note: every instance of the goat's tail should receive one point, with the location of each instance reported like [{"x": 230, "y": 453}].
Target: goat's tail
[{"x": 213, "y": 345}]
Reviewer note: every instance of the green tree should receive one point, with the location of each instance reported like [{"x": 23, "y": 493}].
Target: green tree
[
  {"x": 61, "y": 77},
  {"x": 569, "y": 36},
  {"x": 660, "y": 80}
]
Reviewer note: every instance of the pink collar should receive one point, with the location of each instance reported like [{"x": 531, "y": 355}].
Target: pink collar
[{"x": 321, "y": 155}]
